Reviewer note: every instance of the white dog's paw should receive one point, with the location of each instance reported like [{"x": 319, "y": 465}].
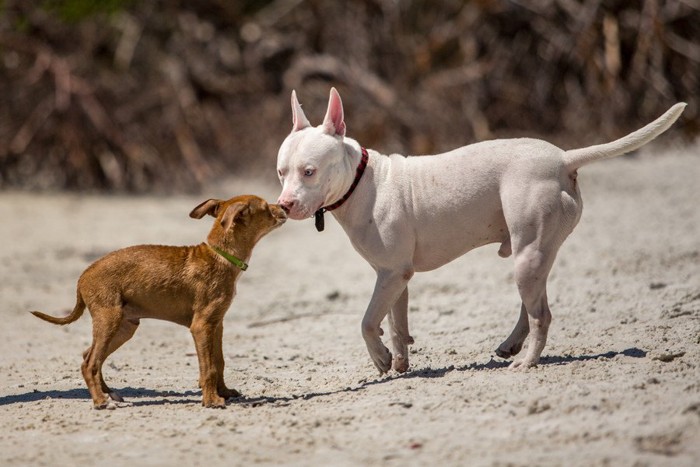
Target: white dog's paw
[
  {"x": 522, "y": 365},
  {"x": 381, "y": 357},
  {"x": 400, "y": 363},
  {"x": 400, "y": 347}
]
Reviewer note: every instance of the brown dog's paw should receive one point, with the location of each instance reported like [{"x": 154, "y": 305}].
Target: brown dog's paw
[
  {"x": 106, "y": 405},
  {"x": 101, "y": 406},
  {"x": 214, "y": 403}
]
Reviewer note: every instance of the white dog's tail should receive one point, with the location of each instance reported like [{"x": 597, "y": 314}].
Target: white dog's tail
[{"x": 576, "y": 158}]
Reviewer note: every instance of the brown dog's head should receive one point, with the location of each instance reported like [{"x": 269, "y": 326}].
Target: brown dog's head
[{"x": 251, "y": 216}]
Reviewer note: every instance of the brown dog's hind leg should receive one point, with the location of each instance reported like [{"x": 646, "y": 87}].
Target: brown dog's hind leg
[
  {"x": 105, "y": 326},
  {"x": 125, "y": 332}
]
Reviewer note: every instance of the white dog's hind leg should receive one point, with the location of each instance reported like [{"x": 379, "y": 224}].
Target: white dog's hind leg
[
  {"x": 514, "y": 343},
  {"x": 539, "y": 215},
  {"x": 398, "y": 329},
  {"x": 532, "y": 266},
  {"x": 388, "y": 289}
]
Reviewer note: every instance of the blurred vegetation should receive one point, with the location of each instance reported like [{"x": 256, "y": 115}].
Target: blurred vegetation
[
  {"x": 164, "y": 95},
  {"x": 73, "y": 11}
]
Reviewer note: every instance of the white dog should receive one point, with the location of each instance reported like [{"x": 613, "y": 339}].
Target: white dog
[{"x": 406, "y": 215}]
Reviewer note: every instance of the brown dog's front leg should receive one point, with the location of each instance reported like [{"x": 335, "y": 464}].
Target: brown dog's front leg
[
  {"x": 221, "y": 388},
  {"x": 204, "y": 340}
]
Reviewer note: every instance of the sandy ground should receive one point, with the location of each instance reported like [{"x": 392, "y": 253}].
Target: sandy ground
[{"x": 619, "y": 383}]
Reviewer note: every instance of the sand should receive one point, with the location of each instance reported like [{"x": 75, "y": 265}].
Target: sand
[{"x": 619, "y": 382}]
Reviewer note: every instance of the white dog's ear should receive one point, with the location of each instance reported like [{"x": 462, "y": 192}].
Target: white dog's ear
[
  {"x": 334, "y": 123},
  {"x": 299, "y": 120}
]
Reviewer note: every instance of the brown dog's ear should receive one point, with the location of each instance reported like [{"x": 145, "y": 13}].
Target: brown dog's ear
[
  {"x": 232, "y": 214},
  {"x": 210, "y": 206}
]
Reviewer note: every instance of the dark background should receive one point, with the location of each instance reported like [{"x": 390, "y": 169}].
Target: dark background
[{"x": 162, "y": 96}]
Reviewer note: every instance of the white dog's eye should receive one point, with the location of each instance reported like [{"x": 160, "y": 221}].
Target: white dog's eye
[{"x": 308, "y": 172}]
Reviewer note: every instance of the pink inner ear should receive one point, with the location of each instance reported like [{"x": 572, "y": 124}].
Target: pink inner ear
[
  {"x": 334, "y": 123},
  {"x": 299, "y": 120}
]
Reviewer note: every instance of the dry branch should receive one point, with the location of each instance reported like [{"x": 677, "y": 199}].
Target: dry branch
[{"x": 142, "y": 101}]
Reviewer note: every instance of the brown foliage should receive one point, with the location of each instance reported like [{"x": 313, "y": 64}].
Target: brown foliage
[{"x": 164, "y": 95}]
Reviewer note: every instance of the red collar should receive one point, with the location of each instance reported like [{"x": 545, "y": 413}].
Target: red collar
[{"x": 358, "y": 175}]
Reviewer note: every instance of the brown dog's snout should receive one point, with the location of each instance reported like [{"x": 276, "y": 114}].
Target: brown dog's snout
[
  {"x": 279, "y": 212},
  {"x": 286, "y": 204}
]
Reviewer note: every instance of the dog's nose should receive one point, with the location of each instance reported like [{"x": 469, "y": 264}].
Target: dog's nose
[
  {"x": 286, "y": 204},
  {"x": 279, "y": 212}
]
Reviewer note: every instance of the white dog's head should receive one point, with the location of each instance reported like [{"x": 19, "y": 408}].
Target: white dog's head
[{"x": 313, "y": 163}]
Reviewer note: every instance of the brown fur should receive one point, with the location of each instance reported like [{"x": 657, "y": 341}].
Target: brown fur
[{"x": 192, "y": 286}]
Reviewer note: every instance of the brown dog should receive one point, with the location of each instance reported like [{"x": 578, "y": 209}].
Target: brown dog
[{"x": 192, "y": 286}]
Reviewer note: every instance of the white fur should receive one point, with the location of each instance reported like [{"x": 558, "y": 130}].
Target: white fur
[{"x": 419, "y": 213}]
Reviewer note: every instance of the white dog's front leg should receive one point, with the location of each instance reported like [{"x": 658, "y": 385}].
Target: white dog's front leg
[
  {"x": 389, "y": 286},
  {"x": 398, "y": 329}
]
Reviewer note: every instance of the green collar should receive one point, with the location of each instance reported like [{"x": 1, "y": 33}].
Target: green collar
[{"x": 232, "y": 259}]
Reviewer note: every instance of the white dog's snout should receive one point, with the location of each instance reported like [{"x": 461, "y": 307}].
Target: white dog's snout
[
  {"x": 286, "y": 198},
  {"x": 286, "y": 204},
  {"x": 292, "y": 206}
]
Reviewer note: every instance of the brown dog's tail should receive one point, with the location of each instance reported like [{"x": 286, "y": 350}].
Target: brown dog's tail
[{"x": 75, "y": 314}]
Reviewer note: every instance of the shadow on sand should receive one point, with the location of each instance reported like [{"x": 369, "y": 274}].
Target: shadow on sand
[
  {"x": 151, "y": 397},
  {"x": 438, "y": 373},
  {"x": 130, "y": 394}
]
